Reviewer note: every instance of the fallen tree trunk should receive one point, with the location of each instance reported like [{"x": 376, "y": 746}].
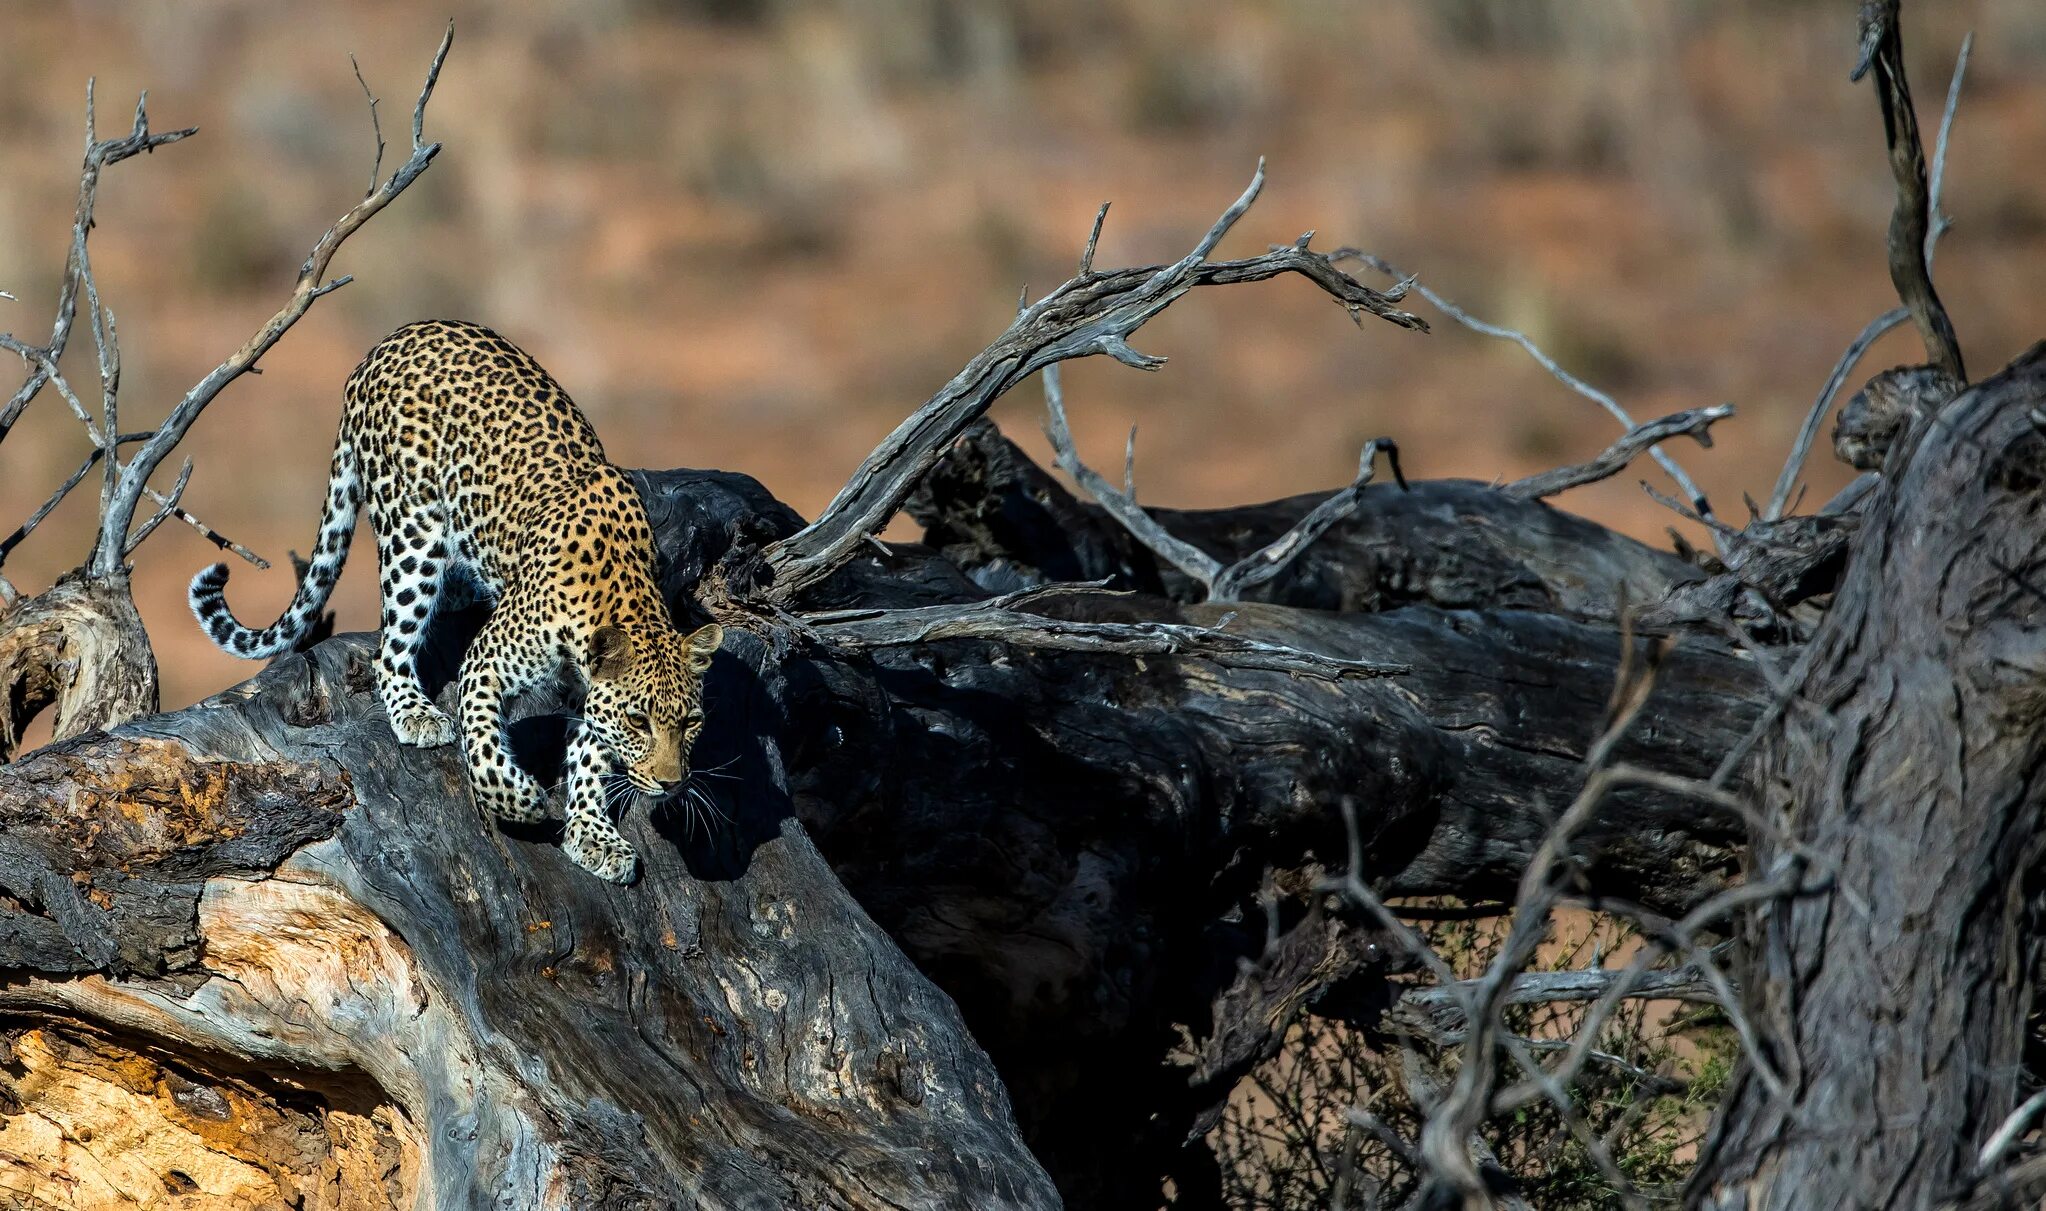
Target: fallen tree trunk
[{"x": 266, "y": 903}]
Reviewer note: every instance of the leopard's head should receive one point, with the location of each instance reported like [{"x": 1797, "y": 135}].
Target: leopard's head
[{"x": 645, "y": 699}]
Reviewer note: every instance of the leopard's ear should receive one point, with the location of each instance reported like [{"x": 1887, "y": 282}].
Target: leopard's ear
[
  {"x": 610, "y": 652},
  {"x": 702, "y": 644}
]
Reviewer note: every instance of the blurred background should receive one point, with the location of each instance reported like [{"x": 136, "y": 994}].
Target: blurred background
[{"x": 754, "y": 234}]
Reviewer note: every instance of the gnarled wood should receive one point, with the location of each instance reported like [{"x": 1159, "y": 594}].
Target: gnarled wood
[{"x": 1912, "y": 757}]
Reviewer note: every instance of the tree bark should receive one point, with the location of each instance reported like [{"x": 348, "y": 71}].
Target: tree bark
[
  {"x": 78, "y": 650},
  {"x": 1910, "y": 758}
]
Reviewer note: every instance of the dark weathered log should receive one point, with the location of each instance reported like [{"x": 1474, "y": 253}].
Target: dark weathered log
[
  {"x": 1063, "y": 840},
  {"x": 1911, "y": 757},
  {"x": 1455, "y": 544}
]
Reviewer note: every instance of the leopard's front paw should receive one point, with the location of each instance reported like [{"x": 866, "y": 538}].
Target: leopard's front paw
[
  {"x": 601, "y": 851},
  {"x": 423, "y": 726}
]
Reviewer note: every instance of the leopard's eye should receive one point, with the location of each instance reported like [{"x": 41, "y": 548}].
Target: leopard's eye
[{"x": 636, "y": 720}]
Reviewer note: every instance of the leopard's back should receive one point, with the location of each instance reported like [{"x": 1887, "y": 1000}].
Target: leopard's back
[{"x": 448, "y": 413}]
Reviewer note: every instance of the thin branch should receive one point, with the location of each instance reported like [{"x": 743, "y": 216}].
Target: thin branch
[
  {"x": 376, "y": 127},
  {"x": 98, "y": 155},
  {"x": 47, "y": 367},
  {"x": 1275, "y": 556},
  {"x": 1809, "y": 432},
  {"x": 1695, "y": 422},
  {"x": 1194, "y": 562},
  {"x": 1667, "y": 937},
  {"x": 1093, "y": 238},
  {"x": 169, "y": 506},
  {"x": 56, "y": 498},
  {"x": 2010, "y": 1132},
  {"x": 117, "y": 518},
  {"x": 1612, "y": 406},
  {"x": 1218, "y": 583},
  {"x": 1940, "y": 219},
  {"x": 1436, "y": 1013},
  {"x": 1911, "y": 224},
  {"x": 1882, "y": 324},
  {"x": 106, "y": 340},
  {"x": 1090, "y": 314}
]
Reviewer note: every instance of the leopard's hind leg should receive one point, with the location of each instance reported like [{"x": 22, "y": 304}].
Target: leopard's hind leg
[{"x": 412, "y": 549}]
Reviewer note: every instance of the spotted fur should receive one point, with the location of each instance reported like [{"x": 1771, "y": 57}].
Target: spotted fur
[{"x": 479, "y": 473}]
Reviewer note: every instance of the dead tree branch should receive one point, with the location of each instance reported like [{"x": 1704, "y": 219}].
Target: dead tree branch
[
  {"x": 1694, "y": 422},
  {"x": 1218, "y": 582},
  {"x": 1786, "y": 482},
  {"x": 1684, "y": 482},
  {"x": 115, "y": 540},
  {"x": 1093, "y": 313},
  {"x": 98, "y": 155},
  {"x": 1911, "y": 224}
]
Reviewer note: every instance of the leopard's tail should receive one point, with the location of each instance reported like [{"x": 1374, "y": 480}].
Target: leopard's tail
[{"x": 337, "y": 526}]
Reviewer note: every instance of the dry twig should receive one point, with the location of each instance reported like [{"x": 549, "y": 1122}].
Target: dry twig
[
  {"x": 1878, "y": 327},
  {"x": 1218, "y": 582},
  {"x": 115, "y": 540},
  {"x": 1684, "y": 482},
  {"x": 1695, "y": 422}
]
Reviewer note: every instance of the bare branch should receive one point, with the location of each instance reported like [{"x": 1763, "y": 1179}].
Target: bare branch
[
  {"x": 1911, "y": 223},
  {"x": 1090, "y": 314},
  {"x": 376, "y": 127},
  {"x": 2011, "y": 1131},
  {"x": 116, "y": 519},
  {"x": 1273, "y": 558},
  {"x": 1219, "y": 583},
  {"x": 1695, "y": 422},
  {"x": 98, "y": 155},
  {"x": 1612, "y": 406},
  {"x": 1809, "y": 431},
  {"x": 440, "y": 57},
  {"x": 169, "y": 506},
  {"x": 56, "y": 498},
  {"x": 1882, "y": 324},
  {"x": 1193, "y": 561},
  {"x": 1093, "y": 238},
  {"x": 106, "y": 340},
  {"x": 47, "y": 367},
  {"x": 1436, "y": 1013},
  {"x": 1940, "y": 219}
]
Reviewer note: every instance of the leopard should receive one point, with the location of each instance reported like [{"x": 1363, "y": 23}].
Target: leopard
[{"x": 484, "y": 482}]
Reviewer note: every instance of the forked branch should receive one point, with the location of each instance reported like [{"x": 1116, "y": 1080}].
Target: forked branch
[
  {"x": 1094, "y": 312},
  {"x": 116, "y": 520},
  {"x": 1218, "y": 582}
]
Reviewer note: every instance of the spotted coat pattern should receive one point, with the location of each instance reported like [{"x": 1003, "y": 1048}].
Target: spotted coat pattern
[{"x": 483, "y": 479}]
